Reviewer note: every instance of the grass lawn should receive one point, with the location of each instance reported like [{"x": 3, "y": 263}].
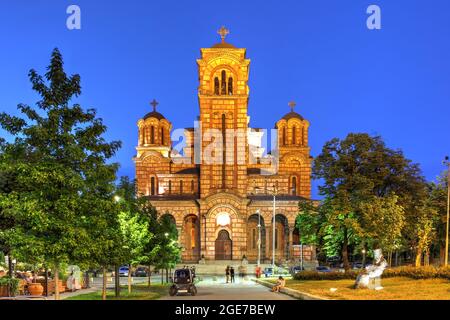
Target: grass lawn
[
  {"x": 394, "y": 289},
  {"x": 138, "y": 292}
]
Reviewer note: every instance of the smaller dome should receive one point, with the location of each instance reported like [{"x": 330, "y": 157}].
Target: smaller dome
[
  {"x": 292, "y": 115},
  {"x": 154, "y": 114}
]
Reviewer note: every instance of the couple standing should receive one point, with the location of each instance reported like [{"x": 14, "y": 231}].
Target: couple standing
[{"x": 229, "y": 273}]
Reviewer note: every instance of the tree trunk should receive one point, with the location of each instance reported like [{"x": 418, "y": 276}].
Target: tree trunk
[
  {"x": 418, "y": 262},
  {"x": 442, "y": 254},
  {"x": 345, "y": 252},
  {"x": 129, "y": 278},
  {"x": 104, "y": 284},
  {"x": 149, "y": 276},
  {"x": 56, "y": 278},
  {"x": 167, "y": 275},
  {"x": 426, "y": 259},
  {"x": 117, "y": 281},
  {"x": 10, "y": 274},
  {"x": 162, "y": 276},
  {"x": 46, "y": 282}
]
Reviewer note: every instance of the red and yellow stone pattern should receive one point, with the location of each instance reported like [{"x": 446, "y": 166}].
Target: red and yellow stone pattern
[{"x": 194, "y": 194}]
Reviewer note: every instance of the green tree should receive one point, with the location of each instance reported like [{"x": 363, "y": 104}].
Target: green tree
[
  {"x": 134, "y": 226},
  {"x": 438, "y": 200},
  {"x": 358, "y": 170},
  {"x": 63, "y": 183}
]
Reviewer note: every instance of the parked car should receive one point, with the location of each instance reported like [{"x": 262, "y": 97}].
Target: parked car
[
  {"x": 296, "y": 269},
  {"x": 323, "y": 269},
  {"x": 140, "y": 272},
  {"x": 268, "y": 272},
  {"x": 357, "y": 265},
  {"x": 123, "y": 271}
]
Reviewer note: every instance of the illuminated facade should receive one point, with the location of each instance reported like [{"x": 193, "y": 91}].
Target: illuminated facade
[{"x": 214, "y": 205}]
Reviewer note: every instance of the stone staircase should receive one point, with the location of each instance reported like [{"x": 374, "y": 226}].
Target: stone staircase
[{"x": 217, "y": 267}]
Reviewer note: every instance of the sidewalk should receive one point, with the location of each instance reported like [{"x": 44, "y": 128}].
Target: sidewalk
[{"x": 63, "y": 295}]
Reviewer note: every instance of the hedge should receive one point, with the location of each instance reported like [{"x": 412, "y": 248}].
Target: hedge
[{"x": 410, "y": 272}]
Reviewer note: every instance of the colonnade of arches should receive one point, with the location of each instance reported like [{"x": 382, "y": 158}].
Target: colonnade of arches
[{"x": 285, "y": 237}]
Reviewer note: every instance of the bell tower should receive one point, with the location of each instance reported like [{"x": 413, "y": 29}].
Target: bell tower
[{"x": 223, "y": 99}]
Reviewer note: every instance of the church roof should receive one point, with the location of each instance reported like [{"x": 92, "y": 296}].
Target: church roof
[
  {"x": 154, "y": 114},
  {"x": 224, "y": 45},
  {"x": 291, "y": 115}
]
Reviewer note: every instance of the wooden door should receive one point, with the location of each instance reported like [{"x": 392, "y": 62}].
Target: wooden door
[{"x": 224, "y": 246}]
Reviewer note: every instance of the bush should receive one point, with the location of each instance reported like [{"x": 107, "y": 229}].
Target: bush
[
  {"x": 409, "y": 272},
  {"x": 428, "y": 272},
  {"x": 334, "y": 275},
  {"x": 14, "y": 283}
]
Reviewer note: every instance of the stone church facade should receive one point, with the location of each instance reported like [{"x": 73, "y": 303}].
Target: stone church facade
[{"x": 219, "y": 207}]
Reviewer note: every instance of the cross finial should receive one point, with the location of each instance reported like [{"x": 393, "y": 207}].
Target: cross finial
[
  {"x": 223, "y": 32},
  {"x": 154, "y": 103},
  {"x": 292, "y": 105}
]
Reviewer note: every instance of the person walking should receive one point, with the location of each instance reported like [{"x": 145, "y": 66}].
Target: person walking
[
  {"x": 232, "y": 274},
  {"x": 227, "y": 273}
]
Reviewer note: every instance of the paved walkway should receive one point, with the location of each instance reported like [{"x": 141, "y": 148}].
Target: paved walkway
[{"x": 241, "y": 290}]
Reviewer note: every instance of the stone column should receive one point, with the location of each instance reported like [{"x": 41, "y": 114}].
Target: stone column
[{"x": 268, "y": 254}]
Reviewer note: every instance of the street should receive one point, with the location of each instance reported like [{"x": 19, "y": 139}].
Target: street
[{"x": 241, "y": 290}]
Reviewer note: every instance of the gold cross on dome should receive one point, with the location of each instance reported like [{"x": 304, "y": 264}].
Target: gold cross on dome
[
  {"x": 292, "y": 104},
  {"x": 154, "y": 103},
  {"x": 223, "y": 32}
]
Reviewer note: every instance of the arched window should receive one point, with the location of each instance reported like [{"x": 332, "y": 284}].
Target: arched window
[
  {"x": 265, "y": 186},
  {"x": 303, "y": 136},
  {"x": 170, "y": 186},
  {"x": 181, "y": 186},
  {"x": 284, "y": 136},
  {"x": 216, "y": 86},
  {"x": 224, "y": 83},
  {"x": 193, "y": 234},
  {"x": 294, "y": 186},
  {"x": 294, "y": 140},
  {"x": 146, "y": 135},
  {"x": 192, "y": 186},
  {"x": 230, "y": 86},
  {"x": 152, "y": 135},
  {"x": 224, "y": 151},
  {"x": 162, "y": 135},
  {"x": 152, "y": 186}
]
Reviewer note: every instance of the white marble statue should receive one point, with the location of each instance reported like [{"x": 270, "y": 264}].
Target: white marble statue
[{"x": 371, "y": 277}]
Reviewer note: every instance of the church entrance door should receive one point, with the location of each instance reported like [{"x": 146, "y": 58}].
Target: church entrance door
[{"x": 223, "y": 246}]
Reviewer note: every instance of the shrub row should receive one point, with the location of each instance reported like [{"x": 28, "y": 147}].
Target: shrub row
[{"x": 410, "y": 272}]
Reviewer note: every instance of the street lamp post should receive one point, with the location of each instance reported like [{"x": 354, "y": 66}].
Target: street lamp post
[
  {"x": 447, "y": 163},
  {"x": 273, "y": 229},
  {"x": 259, "y": 237}
]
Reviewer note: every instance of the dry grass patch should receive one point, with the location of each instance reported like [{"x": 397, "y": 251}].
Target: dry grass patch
[{"x": 400, "y": 288}]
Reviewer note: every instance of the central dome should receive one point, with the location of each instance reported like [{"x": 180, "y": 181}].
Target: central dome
[{"x": 224, "y": 45}]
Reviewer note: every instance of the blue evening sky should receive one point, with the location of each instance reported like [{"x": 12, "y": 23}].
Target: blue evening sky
[{"x": 345, "y": 78}]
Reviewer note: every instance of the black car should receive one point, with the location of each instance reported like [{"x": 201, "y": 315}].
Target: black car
[{"x": 140, "y": 272}]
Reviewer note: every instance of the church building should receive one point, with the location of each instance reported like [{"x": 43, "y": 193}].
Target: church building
[{"x": 224, "y": 210}]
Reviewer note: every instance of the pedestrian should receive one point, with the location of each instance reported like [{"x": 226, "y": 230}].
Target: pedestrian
[
  {"x": 279, "y": 285},
  {"x": 227, "y": 273},
  {"x": 232, "y": 274}
]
